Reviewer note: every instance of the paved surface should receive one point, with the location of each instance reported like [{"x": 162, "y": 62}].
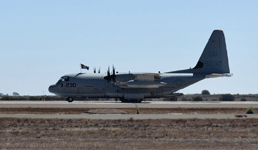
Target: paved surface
[
  {"x": 139, "y": 116},
  {"x": 145, "y": 104}
]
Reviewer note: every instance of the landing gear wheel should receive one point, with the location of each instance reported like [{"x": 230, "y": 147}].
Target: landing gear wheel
[
  {"x": 123, "y": 100},
  {"x": 69, "y": 99},
  {"x": 131, "y": 100},
  {"x": 139, "y": 101}
]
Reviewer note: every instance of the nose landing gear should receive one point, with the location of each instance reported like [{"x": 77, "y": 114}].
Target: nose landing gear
[{"x": 69, "y": 99}]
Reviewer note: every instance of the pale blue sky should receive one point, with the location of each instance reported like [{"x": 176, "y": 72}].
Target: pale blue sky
[{"x": 42, "y": 40}]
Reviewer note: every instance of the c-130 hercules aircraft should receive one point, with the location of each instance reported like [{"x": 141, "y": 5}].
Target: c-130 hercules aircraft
[{"x": 134, "y": 87}]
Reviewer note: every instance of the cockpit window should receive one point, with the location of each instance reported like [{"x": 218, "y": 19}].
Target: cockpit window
[
  {"x": 65, "y": 78},
  {"x": 62, "y": 79},
  {"x": 58, "y": 81}
]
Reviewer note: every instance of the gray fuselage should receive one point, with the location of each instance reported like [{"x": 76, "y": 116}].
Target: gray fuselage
[
  {"x": 137, "y": 86},
  {"x": 94, "y": 85}
]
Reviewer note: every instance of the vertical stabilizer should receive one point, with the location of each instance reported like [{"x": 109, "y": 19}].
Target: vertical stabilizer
[{"x": 214, "y": 58}]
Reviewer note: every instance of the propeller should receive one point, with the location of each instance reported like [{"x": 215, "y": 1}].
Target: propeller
[
  {"x": 113, "y": 76},
  {"x": 110, "y": 77},
  {"x": 94, "y": 69},
  {"x": 99, "y": 70}
]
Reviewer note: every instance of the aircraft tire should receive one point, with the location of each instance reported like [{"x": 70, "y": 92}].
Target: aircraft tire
[
  {"x": 123, "y": 100},
  {"x": 69, "y": 99},
  {"x": 139, "y": 101},
  {"x": 131, "y": 101}
]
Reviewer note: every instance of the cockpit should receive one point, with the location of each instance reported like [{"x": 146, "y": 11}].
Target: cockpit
[{"x": 62, "y": 79}]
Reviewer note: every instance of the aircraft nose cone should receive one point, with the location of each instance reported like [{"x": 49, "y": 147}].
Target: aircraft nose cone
[{"x": 52, "y": 89}]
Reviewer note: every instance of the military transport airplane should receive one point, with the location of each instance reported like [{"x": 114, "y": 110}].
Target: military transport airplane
[{"x": 134, "y": 87}]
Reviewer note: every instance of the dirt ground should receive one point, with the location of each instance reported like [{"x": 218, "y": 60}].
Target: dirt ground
[
  {"x": 30, "y": 110},
  {"x": 19, "y": 133}
]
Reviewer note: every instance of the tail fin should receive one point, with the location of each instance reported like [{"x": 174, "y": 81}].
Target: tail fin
[{"x": 214, "y": 58}]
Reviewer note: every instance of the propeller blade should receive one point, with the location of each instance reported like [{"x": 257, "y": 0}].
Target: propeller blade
[
  {"x": 113, "y": 76},
  {"x": 108, "y": 73},
  {"x": 99, "y": 70},
  {"x": 114, "y": 70}
]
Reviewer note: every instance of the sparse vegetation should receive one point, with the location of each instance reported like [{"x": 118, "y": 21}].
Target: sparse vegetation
[
  {"x": 32, "y": 98},
  {"x": 25, "y": 133},
  {"x": 227, "y": 97},
  {"x": 137, "y": 110},
  {"x": 250, "y": 110},
  {"x": 198, "y": 98}
]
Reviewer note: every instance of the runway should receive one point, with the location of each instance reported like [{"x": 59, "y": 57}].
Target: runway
[
  {"x": 112, "y": 104},
  {"x": 108, "y": 104}
]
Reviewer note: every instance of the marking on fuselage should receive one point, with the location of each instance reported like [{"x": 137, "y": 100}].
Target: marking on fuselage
[{"x": 70, "y": 84}]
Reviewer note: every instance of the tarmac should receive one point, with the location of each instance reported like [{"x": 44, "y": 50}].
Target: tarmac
[{"x": 112, "y": 104}]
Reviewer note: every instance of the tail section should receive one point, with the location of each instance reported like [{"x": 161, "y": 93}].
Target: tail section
[{"x": 214, "y": 58}]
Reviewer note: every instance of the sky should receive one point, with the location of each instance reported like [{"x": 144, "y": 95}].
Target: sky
[{"x": 40, "y": 41}]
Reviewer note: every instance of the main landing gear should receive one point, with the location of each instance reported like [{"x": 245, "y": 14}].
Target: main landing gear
[
  {"x": 69, "y": 99},
  {"x": 131, "y": 100}
]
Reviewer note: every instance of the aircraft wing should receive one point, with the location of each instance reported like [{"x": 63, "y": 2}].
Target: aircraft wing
[
  {"x": 147, "y": 76},
  {"x": 143, "y": 80}
]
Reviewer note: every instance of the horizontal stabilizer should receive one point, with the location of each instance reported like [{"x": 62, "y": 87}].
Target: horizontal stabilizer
[
  {"x": 199, "y": 71},
  {"x": 218, "y": 75}
]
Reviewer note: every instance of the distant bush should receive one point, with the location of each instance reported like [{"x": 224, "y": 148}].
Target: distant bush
[
  {"x": 16, "y": 94},
  {"x": 205, "y": 92},
  {"x": 250, "y": 110},
  {"x": 243, "y": 99},
  {"x": 198, "y": 98},
  {"x": 5, "y": 98},
  {"x": 186, "y": 99},
  {"x": 32, "y": 98},
  {"x": 227, "y": 97}
]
